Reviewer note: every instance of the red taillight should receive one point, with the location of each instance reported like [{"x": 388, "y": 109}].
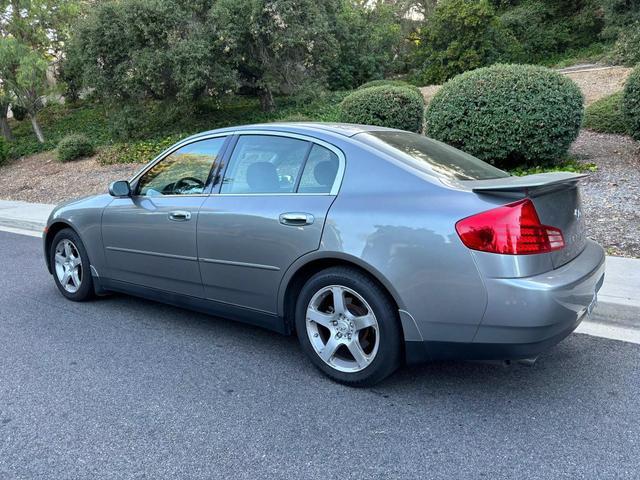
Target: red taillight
[{"x": 512, "y": 229}]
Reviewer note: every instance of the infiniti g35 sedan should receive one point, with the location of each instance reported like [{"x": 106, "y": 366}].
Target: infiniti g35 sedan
[{"x": 374, "y": 246}]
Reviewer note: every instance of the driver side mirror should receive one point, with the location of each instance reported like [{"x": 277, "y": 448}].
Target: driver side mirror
[{"x": 120, "y": 188}]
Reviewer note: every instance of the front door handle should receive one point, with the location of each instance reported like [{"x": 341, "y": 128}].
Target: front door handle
[
  {"x": 180, "y": 216},
  {"x": 295, "y": 219}
]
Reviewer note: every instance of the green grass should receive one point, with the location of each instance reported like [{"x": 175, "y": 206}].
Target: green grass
[
  {"x": 92, "y": 120},
  {"x": 606, "y": 115}
]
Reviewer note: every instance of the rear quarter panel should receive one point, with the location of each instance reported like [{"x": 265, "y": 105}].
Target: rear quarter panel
[{"x": 402, "y": 226}]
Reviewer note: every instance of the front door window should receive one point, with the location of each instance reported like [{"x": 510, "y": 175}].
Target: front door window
[{"x": 183, "y": 172}]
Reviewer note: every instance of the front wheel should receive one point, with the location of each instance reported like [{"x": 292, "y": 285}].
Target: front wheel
[
  {"x": 348, "y": 326},
  {"x": 71, "y": 268}
]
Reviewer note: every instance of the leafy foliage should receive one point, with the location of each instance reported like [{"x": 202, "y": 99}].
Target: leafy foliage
[
  {"x": 508, "y": 114},
  {"x": 545, "y": 27},
  {"x": 397, "y": 83},
  {"x": 631, "y": 103},
  {"x": 23, "y": 72},
  {"x": 74, "y": 146},
  {"x": 626, "y": 51},
  {"x": 138, "y": 49},
  {"x": 385, "y": 105},
  {"x": 570, "y": 165},
  {"x": 461, "y": 35},
  {"x": 605, "y": 115},
  {"x": 4, "y": 151},
  {"x": 276, "y": 46},
  {"x": 371, "y": 44}
]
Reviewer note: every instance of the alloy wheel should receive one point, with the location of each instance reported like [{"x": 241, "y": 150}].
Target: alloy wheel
[
  {"x": 342, "y": 328},
  {"x": 68, "y": 265}
]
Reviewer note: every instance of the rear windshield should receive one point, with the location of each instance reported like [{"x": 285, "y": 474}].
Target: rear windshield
[{"x": 432, "y": 156}]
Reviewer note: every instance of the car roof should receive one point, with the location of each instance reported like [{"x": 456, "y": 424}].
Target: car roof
[{"x": 343, "y": 129}]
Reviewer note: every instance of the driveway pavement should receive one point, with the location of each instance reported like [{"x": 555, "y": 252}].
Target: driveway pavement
[{"x": 125, "y": 388}]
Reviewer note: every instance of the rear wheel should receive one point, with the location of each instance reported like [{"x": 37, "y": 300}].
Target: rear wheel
[
  {"x": 70, "y": 265},
  {"x": 348, "y": 327}
]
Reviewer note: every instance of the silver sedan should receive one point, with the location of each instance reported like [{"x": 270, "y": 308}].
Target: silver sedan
[{"x": 375, "y": 246}]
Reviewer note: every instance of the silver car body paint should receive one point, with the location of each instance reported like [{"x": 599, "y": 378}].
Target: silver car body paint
[{"x": 382, "y": 215}]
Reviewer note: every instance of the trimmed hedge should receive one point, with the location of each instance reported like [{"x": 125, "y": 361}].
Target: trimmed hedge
[
  {"x": 385, "y": 106},
  {"x": 394, "y": 83},
  {"x": 606, "y": 115},
  {"x": 74, "y": 146},
  {"x": 631, "y": 103},
  {"x": 508, "y": 115}
]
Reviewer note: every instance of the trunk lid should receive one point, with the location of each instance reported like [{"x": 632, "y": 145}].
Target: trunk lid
[{"x": 556, "y": 197}]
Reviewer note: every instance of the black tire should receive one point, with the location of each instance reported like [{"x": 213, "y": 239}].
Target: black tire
[
  {"x": 85, "y": 291},
  {"x": 389, "y": 351}
]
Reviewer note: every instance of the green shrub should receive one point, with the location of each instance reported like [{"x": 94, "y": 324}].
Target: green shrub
[
  {"x": 4, "y": 151},
  {"x": 386, "y": 105},
  {"x": 631, "y": 103},
  {"x": 461, "y": 35},
  {"x": 546, "y": 29},
  {"x": 295, "y": 117},
  {"x": 136, "y": 152},
  {"x": 74, "y": 146},
  {"x": 395, "y": 83},
  {"x": 606, "y": 115},
  {"x": 626, "y": 51},
  {"x": 508, "y": 114}
]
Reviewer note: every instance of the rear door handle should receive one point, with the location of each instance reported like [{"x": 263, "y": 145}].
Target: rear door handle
[
  {"x": 296, "y": 219},
  {"x": 180, "y": 216}
]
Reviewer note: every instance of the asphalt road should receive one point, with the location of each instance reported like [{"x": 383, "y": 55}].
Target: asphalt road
[{"x": 125, "y": 388}]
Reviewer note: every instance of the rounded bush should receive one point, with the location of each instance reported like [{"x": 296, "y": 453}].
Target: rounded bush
[
  {"x": 395, "y": 83},
  {"x": 74, "y": 146},
  {"x": 508, "y": 115},
  {"x": 631, "y": 103},
  {"x": 385, "y": 106}
]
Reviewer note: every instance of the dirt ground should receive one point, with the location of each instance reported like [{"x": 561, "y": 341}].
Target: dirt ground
[
  {"x": 42, "y": 179},
  {"x": 595, "y": 82}
]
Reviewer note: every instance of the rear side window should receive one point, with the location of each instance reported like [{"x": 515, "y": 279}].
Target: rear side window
[
  {"x": 432, "y": 156},
  {"x": 265, "y": 164},
  {"x": 320, "y": 171}
]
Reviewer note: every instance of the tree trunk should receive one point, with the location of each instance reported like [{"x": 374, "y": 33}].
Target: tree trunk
[
  {"x": 4, "y": 124},
  {"x": 266, "y": 100},
  {"x": 36, "y": 128}
]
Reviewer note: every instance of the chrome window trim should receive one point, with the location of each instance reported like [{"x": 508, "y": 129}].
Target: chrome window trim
[{"x": 335, "y": 188}]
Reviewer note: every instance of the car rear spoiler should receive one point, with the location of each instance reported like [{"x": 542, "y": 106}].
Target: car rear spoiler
[{"x": 527, "y": 184}]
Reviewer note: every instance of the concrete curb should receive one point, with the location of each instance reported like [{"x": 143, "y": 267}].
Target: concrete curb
[
  {"x": 24, "y": 215},
  {"x": 618, "y": 300}
]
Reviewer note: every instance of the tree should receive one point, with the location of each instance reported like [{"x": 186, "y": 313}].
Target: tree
[
  {"x": 371, "y": 44},
  {"x": 5, "y": 102},
  {"x": 43, "y": 25},
  {"x": 147, "y": 49},
  {"x": 462, "y": 35},
  {"x": 277, "y": 46},
  {"x": 24, "y": 74}
]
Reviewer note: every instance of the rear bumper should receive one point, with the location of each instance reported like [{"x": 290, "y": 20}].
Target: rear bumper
[{"x": 526, "y": 316}]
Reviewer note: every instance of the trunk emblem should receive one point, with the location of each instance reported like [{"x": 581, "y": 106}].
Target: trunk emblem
[{"x": 577, "y": 213}]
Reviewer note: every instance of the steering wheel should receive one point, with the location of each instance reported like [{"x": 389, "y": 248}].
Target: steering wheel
[{"x": 187, "y": 183}]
